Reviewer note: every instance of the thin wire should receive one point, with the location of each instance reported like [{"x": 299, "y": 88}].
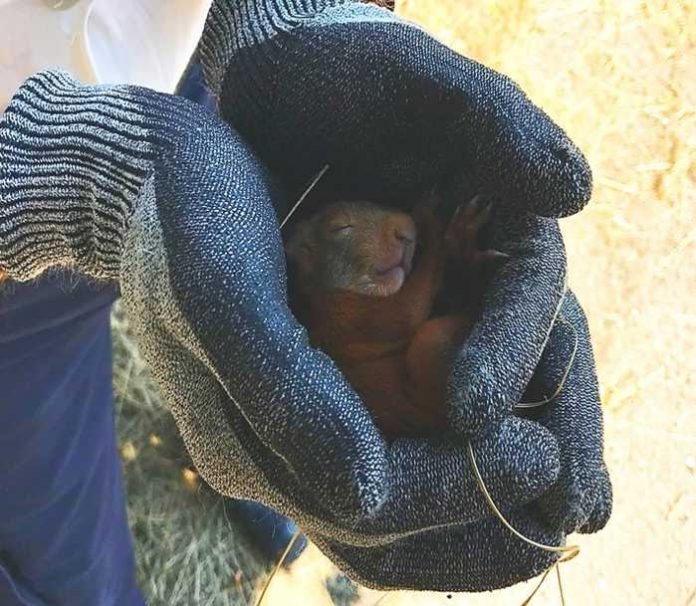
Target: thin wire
[
  {"x": 306, "y": 192},
  {"x": 527, "y": 405},
  {"x": 570, "y": 550},
  {"x": 536, "y": 589},
  {"x": 291, "y": 544},
  {"x": 560, "y": 584}
]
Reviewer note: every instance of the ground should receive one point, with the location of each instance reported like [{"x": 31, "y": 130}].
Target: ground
[{"x": 619, "y": 77}]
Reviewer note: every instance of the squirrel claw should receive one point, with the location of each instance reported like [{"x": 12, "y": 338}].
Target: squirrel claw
[
  {"x": 462, "y": 234},
  {"x": 476, "y": 214},
  {"x": 466, "y": 222}
]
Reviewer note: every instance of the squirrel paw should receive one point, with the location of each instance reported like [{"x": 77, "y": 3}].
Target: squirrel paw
[
  {"x": 429, "y": 227},
  {"x": 462, "y": 234}
]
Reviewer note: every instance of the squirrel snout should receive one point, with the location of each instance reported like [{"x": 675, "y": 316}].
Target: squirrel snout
[
  {"x": 403, "y": 229},
  {"x": 404, "y": 236}
]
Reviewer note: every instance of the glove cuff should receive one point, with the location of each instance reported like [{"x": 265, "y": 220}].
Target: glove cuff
[
  {"x": 236, "y": 24},
  {"x": 73, "y": 159}
]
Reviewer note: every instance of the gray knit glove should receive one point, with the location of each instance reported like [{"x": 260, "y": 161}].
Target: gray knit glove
[
  {"x": 394, "y": 113},
  {"x": 126, "y": 184}
]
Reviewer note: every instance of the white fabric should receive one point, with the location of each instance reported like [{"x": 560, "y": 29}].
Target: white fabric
[{"x": 145, "y": 42}]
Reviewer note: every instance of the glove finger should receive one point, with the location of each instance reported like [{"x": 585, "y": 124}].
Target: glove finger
[
  {"x": 428, "y": 115},
  {"x": 433, "y": 484},
  {"x": 480, "y": 556},
  {"x": 210, "y": 241},
  {"x": 493, "y": 368},
  {"x": 602, "y": 510},
  {"x": 574, "y": 416}
]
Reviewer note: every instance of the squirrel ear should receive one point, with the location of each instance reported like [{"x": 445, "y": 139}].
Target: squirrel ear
[{"x": 295, "y": 241}]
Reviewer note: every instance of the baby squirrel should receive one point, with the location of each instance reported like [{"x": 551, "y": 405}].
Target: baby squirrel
[{"x": 356, "y": 290}]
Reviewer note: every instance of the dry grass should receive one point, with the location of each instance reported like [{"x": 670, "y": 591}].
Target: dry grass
[
  {"x": 188, "y": 551},
  {"x": 619, "y": 76}
]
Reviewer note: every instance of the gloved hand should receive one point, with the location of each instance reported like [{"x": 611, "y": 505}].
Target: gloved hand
[
  {"x": 125, "y": 184},
  {"x": 394, "y": 114}
]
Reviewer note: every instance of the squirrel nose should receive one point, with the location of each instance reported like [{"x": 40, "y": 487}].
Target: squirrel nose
[
  {"x": 404, "y": 236},
  {"x": 404, "y": 230}
]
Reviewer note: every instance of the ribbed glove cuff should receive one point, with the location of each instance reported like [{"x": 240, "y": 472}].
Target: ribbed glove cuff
[
  {"x": 73, "y": 160},
  {"x": 236, "y": 24}
]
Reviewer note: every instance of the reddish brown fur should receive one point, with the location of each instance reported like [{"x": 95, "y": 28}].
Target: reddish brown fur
[
  {"x": 389, "y": 349},
  {"x": 390, "y": 4}
]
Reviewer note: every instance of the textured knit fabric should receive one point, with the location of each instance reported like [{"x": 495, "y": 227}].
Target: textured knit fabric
[
  {"x": 394, "y": 113},
  {"x": 268, "y": 531},
  {"x": 123, "y": 183},
  {"x": 64, "y": 537}
]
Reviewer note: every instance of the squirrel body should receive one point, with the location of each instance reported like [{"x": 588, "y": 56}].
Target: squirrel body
[{"x": 364, "y": 305}]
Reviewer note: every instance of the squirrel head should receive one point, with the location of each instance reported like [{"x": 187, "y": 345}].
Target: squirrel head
[{"x": 355, "y": 246}]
